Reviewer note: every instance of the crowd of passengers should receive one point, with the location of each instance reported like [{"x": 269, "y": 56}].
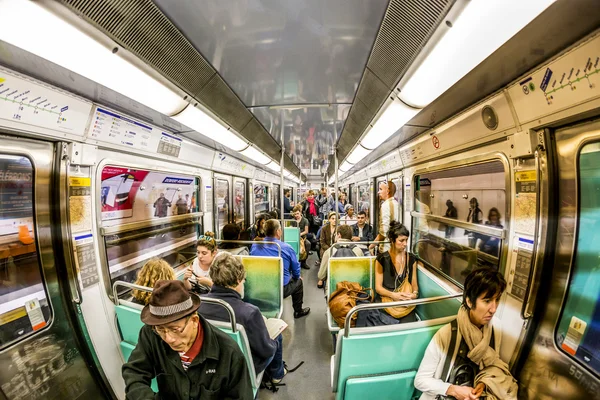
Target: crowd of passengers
[{"x": 191, "y": 359}]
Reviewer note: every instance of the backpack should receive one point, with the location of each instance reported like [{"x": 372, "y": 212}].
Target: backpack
[
  {"x": 344, "y": 299},
  {"x": 344, "y": 251}
]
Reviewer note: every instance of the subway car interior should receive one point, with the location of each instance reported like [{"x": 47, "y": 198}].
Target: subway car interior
[{"x": 131, "y": 128}]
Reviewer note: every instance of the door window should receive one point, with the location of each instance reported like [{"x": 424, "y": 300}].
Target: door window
[
  {"x": 240, "y": 204},
  {"x": 222, "y": 196},
  {"x": 24, "y": 305},
  {"x": 578, "y": 331},
  {"x": 261, "y": 199}
]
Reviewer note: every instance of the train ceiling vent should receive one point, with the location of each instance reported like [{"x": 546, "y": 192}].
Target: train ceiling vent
[
  {"x": 405, "y": 29},
  {"x": 142, "y": 28}
]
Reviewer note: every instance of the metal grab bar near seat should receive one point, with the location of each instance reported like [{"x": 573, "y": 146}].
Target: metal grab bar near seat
[
  {"x": 204, "y": 299},
  {"x": 377, "y": 306},
  {"x": 250, "y": 242}
]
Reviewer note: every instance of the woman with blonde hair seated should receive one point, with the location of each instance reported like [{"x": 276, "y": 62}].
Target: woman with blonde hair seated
[{"x": 155, "y": 269}]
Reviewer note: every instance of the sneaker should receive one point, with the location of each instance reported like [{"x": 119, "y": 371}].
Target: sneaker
[
  {"x": 320, "y": 284},
  {"x": 305, "y": 266},
  {"x": 300, "y": 314},
  {"x": 277, "y": 381}
]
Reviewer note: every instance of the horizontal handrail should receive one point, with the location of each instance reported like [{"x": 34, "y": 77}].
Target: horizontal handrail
[
  {"x": 367, "y": 242},
  {"x": 478, "y": 228},
  {"x": 111, "y": 230},
  {"x": 377, "y": 306},
  {"x": 250, "y": 242},
  {"x": 204, "y": 299}
]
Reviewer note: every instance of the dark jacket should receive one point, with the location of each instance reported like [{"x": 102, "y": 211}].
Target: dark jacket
[
  {"x": 218, "y": 372},
  {"x": 367, "y": 232},
  {"x": 249, "y": 316},
  {"x": 326, "y": 239},
  {"x": 287, "y": 206}
]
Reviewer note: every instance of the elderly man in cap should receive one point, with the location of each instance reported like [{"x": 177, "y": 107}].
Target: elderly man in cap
[{"x": 189, "y": 358}]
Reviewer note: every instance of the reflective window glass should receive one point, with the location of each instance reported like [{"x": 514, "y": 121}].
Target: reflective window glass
[
  {"x": 261, "y": 199},
  {"x": 222, "y": 197},
  {"x": 364, "y": 199},
  {"x": 473, "y": 194},
  {"x": 239, "y": 204},
  {"x": 24, "y": 306},
  {"x": 578, "y": 332}
]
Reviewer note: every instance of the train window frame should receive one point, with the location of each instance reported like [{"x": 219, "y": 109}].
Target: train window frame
[
  {"x": 453, "y": 165},
  {"x": 104, "y": 231},
  {"x": 572, "y": 329},
  {"x": 35, "y": 307}
]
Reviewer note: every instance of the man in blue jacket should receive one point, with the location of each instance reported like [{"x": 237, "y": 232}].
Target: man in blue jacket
[
  {"x": 292, "y": 281},
  {"x": 228, "y": 276}
]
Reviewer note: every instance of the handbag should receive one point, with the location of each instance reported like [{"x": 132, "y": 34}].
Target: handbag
[
  {"x": 344, "y": 299},
  {"x": 399, "y": 311},
  {"x": 317, "y": 220},
  {"x": 303, "y": 254}
]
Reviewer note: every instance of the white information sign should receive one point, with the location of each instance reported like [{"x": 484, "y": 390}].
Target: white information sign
[
  {"x": 28, "y": 102},
  {"x": 110, "y": 127}
]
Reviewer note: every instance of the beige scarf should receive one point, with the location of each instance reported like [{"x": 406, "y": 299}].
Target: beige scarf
[{"x": 494, "y": 372}]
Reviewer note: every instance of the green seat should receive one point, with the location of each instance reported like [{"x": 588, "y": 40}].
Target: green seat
[
  {"x": 352, "y": 269},
  {"x": 264, "y": 284},
  {"x": 291, "y": 236},
  {"x": 429, "y": 288},
  {"x": 394, "y": 386}
]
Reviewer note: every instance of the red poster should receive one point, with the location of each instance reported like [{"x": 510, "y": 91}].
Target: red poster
[{"x": 119, "y": 188}]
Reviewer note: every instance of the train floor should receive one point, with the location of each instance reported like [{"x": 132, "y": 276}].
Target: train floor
[{"x": 306, "y": 339}]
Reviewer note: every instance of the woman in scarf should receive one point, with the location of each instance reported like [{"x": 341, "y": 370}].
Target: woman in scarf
[
  {"x": 477, "y": 371},
  {"x": 310, "y": 209}
]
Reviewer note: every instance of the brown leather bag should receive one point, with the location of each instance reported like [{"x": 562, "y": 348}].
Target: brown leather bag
[
  {"x": 399, "y": 311},
  {"x": 303, "y": 254},
  {"x": 344, "y": 299}
]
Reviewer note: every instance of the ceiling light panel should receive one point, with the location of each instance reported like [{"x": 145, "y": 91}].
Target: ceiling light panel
[
  {"x": 357, "y": 154},
  {"x": 67, "y": 46},
  {"x": 256, "y": 155},
  {"x": 389, "y": 122}
]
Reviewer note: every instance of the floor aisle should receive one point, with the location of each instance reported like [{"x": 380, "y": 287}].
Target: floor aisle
[{"x": 306, "y": 339}]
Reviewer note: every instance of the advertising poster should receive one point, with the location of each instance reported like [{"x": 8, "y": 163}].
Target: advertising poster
[
  {"x": 16, "y": 195},
  {"x": 141, "y": 195}
]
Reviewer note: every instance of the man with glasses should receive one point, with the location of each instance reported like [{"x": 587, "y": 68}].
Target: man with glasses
[{"x": 189, "y": 358}]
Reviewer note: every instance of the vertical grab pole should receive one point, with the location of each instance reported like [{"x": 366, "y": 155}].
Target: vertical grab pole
[{"x": 281, "y": 201}]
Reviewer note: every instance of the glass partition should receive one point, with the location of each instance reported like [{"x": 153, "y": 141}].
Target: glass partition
[
  {"x": 578, "y": 332},
  {"x": 239, "y": 215},
  {"x": 457, "y": 222},
  {"x": 222, "y": 199},
  {"x": 261, "y": 199}
]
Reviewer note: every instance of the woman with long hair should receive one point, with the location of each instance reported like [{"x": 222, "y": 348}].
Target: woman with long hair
[{"x": 155, "y": 269}]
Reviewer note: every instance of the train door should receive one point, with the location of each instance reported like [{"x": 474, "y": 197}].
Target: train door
[
  {"x": 564, "y": 360},
  {"x": 41, "y": 353},
  {"x": 262, "y": 198},
  {"x": 240, "y": 202},
  {"x": 396, "y": 179},
  {"x": 222, "y": 202}
]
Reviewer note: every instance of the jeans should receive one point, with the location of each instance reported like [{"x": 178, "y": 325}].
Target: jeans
[
  {"x": 295, "y": 288},
  {"x": 275, "y": 367}
]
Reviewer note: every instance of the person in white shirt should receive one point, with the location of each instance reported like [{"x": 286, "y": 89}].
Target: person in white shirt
[
  {"x": 388, "y": 212},
  {"x": 350, "y": 217},
  {"x": 476, "y": 370},
  {"x": 196, "y": 276}
]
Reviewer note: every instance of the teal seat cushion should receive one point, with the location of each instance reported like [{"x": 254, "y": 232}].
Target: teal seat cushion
[
  {"x": 130, "y": 323},
  {"x": 395, "y": 386},
  {"x": 429, "y": 288}
]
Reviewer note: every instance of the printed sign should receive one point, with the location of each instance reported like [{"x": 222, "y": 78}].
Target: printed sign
[
  {"x": 80, "y": 204},
  {"x": 86, "y": 260},
  {"x": 169, "y": 145},
  {"x": 34, "y": 312},
  {"x": 574, "y": 335},
  {"x": 525, "y": 201}
]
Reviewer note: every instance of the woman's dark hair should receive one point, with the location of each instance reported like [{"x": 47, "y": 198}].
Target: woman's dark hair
[
  {"x": 230, "y": 232},
  {"x": 494, "y": 209},
  {"x": 486, "y": 281},
  {"x": 474, "y": 200},
  {"x": 397, "y": 229}
]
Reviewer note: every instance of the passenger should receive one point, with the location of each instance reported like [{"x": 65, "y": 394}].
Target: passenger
[
  {"x": 213, "y": 363},
  {"x": 341, "y": 204},
  {"x": 196, "y": 276},
  {"x": 344, "y": 235},
  {"x": 475, "y": 217},
  {"x": 488, "y": 244},
  {"x": 181, "y": 205},
  {"x": 232, "y": 232},
  {"x": 229, "y": 276},
  {"x": 292, "y": 281},
  {"x": 287, "y": 204},
  {"x": 350, "y": 217},
  {"x": 273, "y": 214},
  {"x": 257, "y": 231},
  {"x": 326, "y": 203},
  {"x": 396, "y": 270},
  {"x": 328, "y": 233},
  {"x": 155, "y": 269},
  {"x": 302, "y": 224},
  {"x": 450, "y": 213},
  {"x": 161, "y": 205},
  {"x": 478, "y": 340},
  {"x": 362, "y": 231},
  {"x": 387, "y": 213},
  {"x": 310, "y": 209}
]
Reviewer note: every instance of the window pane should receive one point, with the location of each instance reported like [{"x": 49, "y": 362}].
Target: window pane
[
  {"x": 261, "y": 199},
  {"x": 222, "y": 196},
  {"x": 579, "y": 327},
  {"x": 24, "y": 307},
  {"x": 364, "y": 199},
  {"x": 474, "y": 194},
  {"x": 240, "y": 204}
]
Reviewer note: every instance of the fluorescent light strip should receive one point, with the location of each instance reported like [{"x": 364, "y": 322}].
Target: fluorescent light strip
[
  {"x": 395, "y": 115},
  {"x": 481, "y": 28},
  {"x": 202, "y": 123},
  {"x": 65, "y": 45},
  {"x": 357, "y": 154},
  {"x": 256, "y": 155},
  {"x": 273, "y": 166},
  {"x": 345, "y": 166}
]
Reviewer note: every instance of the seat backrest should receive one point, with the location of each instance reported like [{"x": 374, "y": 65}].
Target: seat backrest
[
  {"x": 291, "y": 236},
  {"x": 130, "y": 323},
  {"x": 383, "y": 364},
  {"x": 352, "y": 269},
  {"x": 264, "y": 284},
  {"x": 428, "y": 287}
]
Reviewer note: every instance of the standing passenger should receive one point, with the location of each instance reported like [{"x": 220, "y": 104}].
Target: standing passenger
[
  {"x": 475, "y": 217},
  {"x": 450, "y": 213},
  {"x": 387, "y": 213},
  {"x": 302, "y": 224},
  {"x": 477, "y": 371},
  {"x": 310, "y": 209},
  {"x": 188, "y": 357}
]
